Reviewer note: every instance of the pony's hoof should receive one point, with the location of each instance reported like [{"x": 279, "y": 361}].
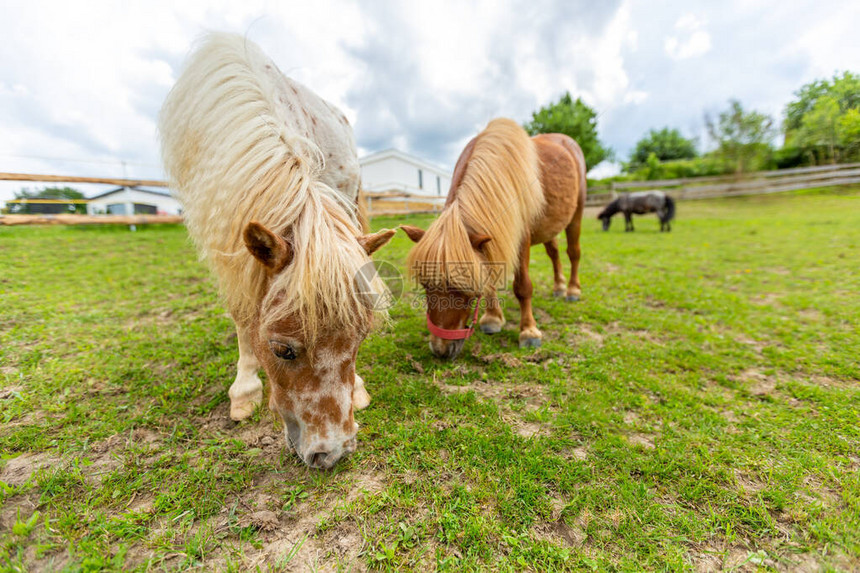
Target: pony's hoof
[
  {"x": 243, "y": 401},
  {"x": 242, "y": 411},
  {"x": 491, "y": 328},
  {"x": 572, "y": 298},
  {"x": 360, "y": 397},
  {"x": 558, "y": 293},
  {"x": 530, "y": 343}
]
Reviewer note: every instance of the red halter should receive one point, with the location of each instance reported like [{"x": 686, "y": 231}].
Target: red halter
[{"x": 457, "y": 333}]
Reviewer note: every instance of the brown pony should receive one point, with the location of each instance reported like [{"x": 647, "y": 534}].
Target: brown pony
[
  {"x": 508, "y": 192},
  {"x": 268, "y": 177}
]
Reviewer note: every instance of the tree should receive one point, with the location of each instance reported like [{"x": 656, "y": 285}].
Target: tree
[
  {"x": 49, "y": 193},
  {"x": 819, "y": 121},
  {"x": 849, "y": 131},
  {"x": 666, "y": 145},
  {"x": 572, "y": 118},
  {"x": 742, "y": 137},
  {"x": 53, "y": 193}
]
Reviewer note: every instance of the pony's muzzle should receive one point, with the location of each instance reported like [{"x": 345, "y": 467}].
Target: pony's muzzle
[
  {"x": 448, "y": 349},
  {"x": 320, "y": 460},
  {"x": 324, "y": 459}
]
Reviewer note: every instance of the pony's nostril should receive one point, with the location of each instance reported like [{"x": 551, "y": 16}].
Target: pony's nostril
[{"x": 318, "y": 460}]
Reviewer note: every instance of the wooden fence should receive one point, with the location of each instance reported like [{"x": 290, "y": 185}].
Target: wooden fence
[
  {"x": 397, "y": 202},
  {"x": 759, "y": 183}
]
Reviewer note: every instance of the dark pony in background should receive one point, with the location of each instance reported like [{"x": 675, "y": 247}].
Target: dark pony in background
[{"x": 640, "y": 203}]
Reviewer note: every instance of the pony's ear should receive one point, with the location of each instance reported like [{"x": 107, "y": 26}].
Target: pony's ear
[
  {"x": 478, "y": 241},
  {"x": 414, "y": 233},
  {"x": 372, "y": 243},
  {"x": 267, "y": 247}
]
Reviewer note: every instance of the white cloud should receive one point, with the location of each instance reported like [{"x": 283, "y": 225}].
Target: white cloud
[
  {"x": 635, "y": 97},
  {"x": 691, "y": 40}
]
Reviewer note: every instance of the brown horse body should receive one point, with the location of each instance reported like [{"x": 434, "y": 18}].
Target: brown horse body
[{"x": 561, "y": 173}]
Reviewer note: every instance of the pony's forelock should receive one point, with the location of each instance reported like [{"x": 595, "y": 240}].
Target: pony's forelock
[{"x": 500, "y": 195}]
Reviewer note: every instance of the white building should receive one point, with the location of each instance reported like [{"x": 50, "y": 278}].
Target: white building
[
  {"x": 134, "y": 200},
  {"x": 393, "y": 170}
]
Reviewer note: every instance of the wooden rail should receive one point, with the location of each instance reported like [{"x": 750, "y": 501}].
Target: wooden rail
[
  {"x": 75, "y": 179},
  {"x": 10, "y": 220},
  {"x": 817, "y": 171},
  {"x": 758, "y": 183}
]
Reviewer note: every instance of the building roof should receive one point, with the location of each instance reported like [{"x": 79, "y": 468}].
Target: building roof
[
  {"x": 417, "y": 161},
  {"x": 140, "y": 189}
]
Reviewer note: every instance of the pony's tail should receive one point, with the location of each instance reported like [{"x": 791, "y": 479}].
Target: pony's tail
[{"x": 670, "y": 208}]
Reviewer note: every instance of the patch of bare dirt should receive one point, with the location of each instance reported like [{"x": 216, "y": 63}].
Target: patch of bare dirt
[
  {"x": 19, "y": 506},
  {"x": 28, "y": 419},
  {"x": 291, "y": 540},
  {"x": 161, "y": 317},
  {"x": 644, "y": 440},
  {"x": 505, "y": 358},
  {"x": 9, "y": 392},
  {"x": 8, "y": 371},
  {"x": 811, "y": 315},
  {"x": 579, "y": 453},
  {"x": 743, "y": 557},
  {"x": 766, "y": 299},
  {"x": 613, "y": 329},
  {"x": 756, "y": 345},
  {"x": 758, "y": 384},
  {"x": 749, "y": 484},
  {"x": 824, "y": 494},
  {"x": 530, "y": 429},
  {"x": 513, "y": 400},
  {"x": 557, "y": 530},
  {"x": 829, "y": 382},
  {"x": 16, "y": 471},
  {"x": 586, "y": 333},
  {"x": 542, "y": 316},
  {"x": 366, "y": 484},
  {"x": 559, "y": 533}
]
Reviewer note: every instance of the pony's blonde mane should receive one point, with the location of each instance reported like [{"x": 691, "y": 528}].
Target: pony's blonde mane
[
  {"x": 232, "y": 158},
  {"x": 500, "y": 196}
]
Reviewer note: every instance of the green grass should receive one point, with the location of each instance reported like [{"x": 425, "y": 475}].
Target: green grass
[{"x": 700, "y": 408}]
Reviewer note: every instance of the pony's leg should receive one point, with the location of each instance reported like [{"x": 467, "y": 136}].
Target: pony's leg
[
  {"x": 246, "y": 393},
  {"x": 628, "y": 222},
  {"x": 574, "y": 289},
  {"x": 558, "y": 277},
  {"x": 529, "y": 333},
  {"x": 493, "y": 319}
]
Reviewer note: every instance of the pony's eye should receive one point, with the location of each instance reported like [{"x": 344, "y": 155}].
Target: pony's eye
[{"x": 282, "y": 351}]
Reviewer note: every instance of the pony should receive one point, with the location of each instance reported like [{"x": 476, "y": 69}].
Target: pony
[
  {"x": 640, "y": 203},
  {"x": 268, "y": 177},
  {"x": 508, "y": 192}
]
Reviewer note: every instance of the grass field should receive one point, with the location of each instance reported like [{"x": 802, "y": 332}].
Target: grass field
[{"x": 698, "y": 409}]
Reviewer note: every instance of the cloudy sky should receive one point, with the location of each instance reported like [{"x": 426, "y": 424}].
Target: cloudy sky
[{"x": 81, "y": 83}]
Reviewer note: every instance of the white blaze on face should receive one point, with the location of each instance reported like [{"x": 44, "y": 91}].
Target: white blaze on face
[{"x": 324, "y": 416}]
